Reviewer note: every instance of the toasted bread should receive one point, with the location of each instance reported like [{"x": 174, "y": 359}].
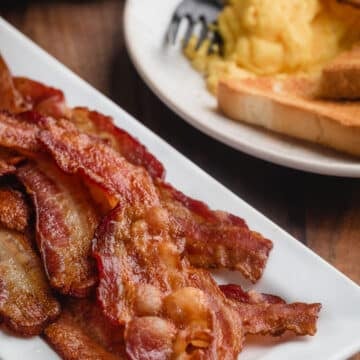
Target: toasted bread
[
  {"x": 341, "y": 78},
  {"x": 288, "y": 107}
]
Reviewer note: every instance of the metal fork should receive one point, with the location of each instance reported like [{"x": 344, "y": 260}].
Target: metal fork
[{"x": 196, "y": 12}]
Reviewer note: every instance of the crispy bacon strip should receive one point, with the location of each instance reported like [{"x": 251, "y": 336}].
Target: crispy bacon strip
[
  {"x": 82, "y": 332},
  {"x": 213, "y": 239},
  {"x": 14, "y": 212},
  {"x": 168, "y": 307},
  {"x": 26, "y": 303},
  {"x": 66, "y": 220},
  {"x": 10, "y": 98},
  {"x": 92, "y": 122},
  {"x": 79, "y": 153},
  {"x": 268, "y": 314},
  {"x": 41, "y": 98},
  {"x": 275, "y": 319}
]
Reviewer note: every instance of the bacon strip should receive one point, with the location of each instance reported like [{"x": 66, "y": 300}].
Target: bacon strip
[
  {"x": 275, "y": 319},
  {"x": 268, "y": 314},
  {"x": 10, "y": 98},
  {"x": 66, "y": 220},
  {"x": 26, "y": 303},
  {"x": 82, "y": 332},
  {"x": 148, "y": 287},
  {"x": 94, "y": 123},
  {"x": 41, "y": 98},
  {"x": 214, "y": 239},
  {"x": 14, "y": 212},
  {"x": 79, "y": 153}
]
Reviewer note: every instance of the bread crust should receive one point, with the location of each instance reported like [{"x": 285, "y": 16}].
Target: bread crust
[
  {"x": 341, "y": 78},
  {"x": 288, "y": 107}
]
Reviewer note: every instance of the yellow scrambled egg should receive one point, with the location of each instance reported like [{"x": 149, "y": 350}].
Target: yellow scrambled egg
[{"x": 268, "y": 37}]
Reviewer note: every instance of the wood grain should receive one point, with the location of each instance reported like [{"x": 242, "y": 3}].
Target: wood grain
[{"x": 322, "y": 212}]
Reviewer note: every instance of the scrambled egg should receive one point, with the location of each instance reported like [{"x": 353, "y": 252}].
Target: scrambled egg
[{"x": 267, "y": 37}]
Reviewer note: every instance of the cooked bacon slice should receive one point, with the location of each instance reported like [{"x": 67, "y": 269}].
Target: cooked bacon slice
[
  {"x": 26, "y": 303},
  {"x": 269, "y": 314},
  {"x": 215, "y": 239},
  {"x": 147, "y": 286},
  {"x": 43, "y": 99},
  {"x": 92, "y": 122},
  {"x": 19, "y": 135},
  {"x": 79, "y": 153},
  {"x": 275, "y": 319},
  {"x": 14, "y": 211},
  {"x": 10, "y": 98},
  {"x": 82, "y": 332},
  {"x": 66, "y": 220}
]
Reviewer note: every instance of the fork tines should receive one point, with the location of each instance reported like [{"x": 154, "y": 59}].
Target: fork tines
[{"x": 198, "y": 15}]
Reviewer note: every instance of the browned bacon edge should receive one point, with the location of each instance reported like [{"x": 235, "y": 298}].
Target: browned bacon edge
[
  {"x": 82, "y": 332},
  {"x": 10, "y": 98},
  {"x": 65, "y": 224},
  {"x": 26, "y": 302},
  {"x": 94, "y": 123},
  {"x": 269, "y": 314},
  {"x": 42, "y": 98},
  {"x": 236, "y": 292}
]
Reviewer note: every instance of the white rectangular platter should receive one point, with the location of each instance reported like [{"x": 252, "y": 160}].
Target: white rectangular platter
[{"x": 293, "y": 271}]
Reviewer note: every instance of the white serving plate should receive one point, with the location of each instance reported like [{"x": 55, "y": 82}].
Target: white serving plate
[
  {"x": 293, "y": 271},
  {"x": 179, "y": 86}
]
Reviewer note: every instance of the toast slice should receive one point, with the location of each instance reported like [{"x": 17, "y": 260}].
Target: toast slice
[
  {"x": 341, "y": 78},
  {"x": 288, "y": 107}
]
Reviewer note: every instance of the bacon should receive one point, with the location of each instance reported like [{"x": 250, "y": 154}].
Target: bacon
[
  {"x": 18, "y": 135},
  {"x": 92, "y": 122},
  {"x": 275, "y": 319},
  {"x": 79, "y": 153},
  {"x": 269, "y": 314},
  {"x": 235, "y": 292},
  {"x": 14, "y": 212},
  {"x": 215, "y": 239},
  {"x": 10, "y": 98},
  {"x": 66, "y": 220},
  {"x": 8, "y": 161},
  {"x": 149, "y": 338},
  {"x": 26, "y": 303},
  {"x": 43, "y": 99},
  {"x": 147, "y": 286},
  {"x": 82, "y": 332}
]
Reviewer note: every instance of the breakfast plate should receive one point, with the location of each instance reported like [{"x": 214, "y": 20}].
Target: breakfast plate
[
  {"x": 293, "y": 271},
  {"x": 169, "y": 74}
]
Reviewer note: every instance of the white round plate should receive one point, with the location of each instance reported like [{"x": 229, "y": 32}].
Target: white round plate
[{"x": 168, "y": 73}]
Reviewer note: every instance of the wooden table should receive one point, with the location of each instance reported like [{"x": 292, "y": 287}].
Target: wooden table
[{"x": 87, "y": 36}]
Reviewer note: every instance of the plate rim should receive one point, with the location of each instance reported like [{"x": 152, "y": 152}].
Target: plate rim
[{"x": 350, "y": 171}]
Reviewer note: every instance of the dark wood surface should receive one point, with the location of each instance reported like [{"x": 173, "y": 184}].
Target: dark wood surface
[{"x": 87, "y": 36}]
